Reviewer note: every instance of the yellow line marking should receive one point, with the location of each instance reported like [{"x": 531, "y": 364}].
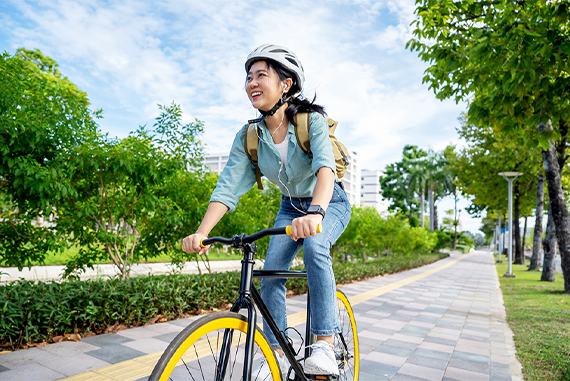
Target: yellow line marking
[{"x": 140, "y": 367}]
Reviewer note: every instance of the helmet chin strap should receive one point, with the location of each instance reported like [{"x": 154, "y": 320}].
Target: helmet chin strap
[{"x": 265, "y": 114}]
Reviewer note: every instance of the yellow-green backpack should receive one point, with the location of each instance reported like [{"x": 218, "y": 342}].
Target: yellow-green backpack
[{"x": 302, "y": 125}]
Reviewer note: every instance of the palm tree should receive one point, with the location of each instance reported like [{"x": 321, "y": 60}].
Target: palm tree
[
  {"x": 439, "y": 181},
  {"x": 416, "y": 182}
]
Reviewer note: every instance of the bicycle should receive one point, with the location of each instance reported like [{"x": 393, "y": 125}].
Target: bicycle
[{"x": 212, "y": 347}]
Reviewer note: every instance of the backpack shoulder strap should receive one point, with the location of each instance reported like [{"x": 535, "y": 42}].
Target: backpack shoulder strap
[
  {"x": 302, "y": 125},
  {"x": 251, "y": 145}
]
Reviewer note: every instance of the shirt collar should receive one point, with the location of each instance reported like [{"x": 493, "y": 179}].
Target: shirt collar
[{"x": 265, "y": 135}]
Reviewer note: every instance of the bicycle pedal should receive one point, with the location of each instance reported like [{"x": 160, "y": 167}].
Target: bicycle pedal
[{"x": 322, "y": 377}]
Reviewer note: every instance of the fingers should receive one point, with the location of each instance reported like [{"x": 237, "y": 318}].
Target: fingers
[
  {"x": 191, "y": 244},
  {"x": 305, "y": 226}
]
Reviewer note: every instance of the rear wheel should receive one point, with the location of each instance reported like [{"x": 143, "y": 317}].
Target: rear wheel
[{"x": 195, "y": 353}]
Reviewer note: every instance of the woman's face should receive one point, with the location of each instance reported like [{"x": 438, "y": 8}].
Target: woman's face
[{"x": 264, "y": 87}]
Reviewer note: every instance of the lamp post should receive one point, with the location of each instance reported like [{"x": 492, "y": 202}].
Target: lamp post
[{"x": 510, "y": 177}]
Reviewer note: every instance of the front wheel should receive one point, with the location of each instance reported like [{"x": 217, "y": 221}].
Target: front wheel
[
  {"x": 195, "y": 353},
  {"x": 345, "y": 343}
]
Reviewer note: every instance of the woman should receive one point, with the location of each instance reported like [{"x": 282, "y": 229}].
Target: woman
[{"x": 311, "y": 196}]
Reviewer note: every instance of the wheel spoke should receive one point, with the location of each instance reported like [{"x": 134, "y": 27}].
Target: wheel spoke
[{"x": 196, "y": 351}]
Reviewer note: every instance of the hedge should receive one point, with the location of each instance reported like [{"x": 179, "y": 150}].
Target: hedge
[{"x": 32, "y": 312}]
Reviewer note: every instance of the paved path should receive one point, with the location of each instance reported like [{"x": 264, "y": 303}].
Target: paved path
[
  {"x": 444, "y": 321},
  {"x": 45, "y": 273}
]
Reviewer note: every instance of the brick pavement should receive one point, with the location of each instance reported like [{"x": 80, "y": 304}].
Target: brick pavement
[{"x": 440, "y": 322}]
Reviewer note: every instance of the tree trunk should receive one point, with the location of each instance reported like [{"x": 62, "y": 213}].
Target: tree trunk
[
  {"x": 455, "y": 238},
  {"x": 524, "y": 236},
  {"x": 519, "y": 255},
  {"x": 435, "y": 224},
  {"x": 455, "y": 221},
  {"x": 422, "y": 208},
  {"x": 549, "y": 243},
  {"x": 430, "y": 201},
  {"x": 536, "y": 259},
  {"x": 554, "y": 158}
]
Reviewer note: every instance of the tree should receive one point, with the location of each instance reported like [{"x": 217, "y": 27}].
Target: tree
[
  {"x": 395, "y": 185},
  {"x": 536, "y": 258},
  {"x": 452, "y": 222},
  {"x": 489, "y": 226},
  {"x": 477, "y": 238},
  {"x": 439, "y": 182},
  {"x": 512, "y": 60},
  {"x": 43, "y": 118},
  {"x": 477, "y": 165},
  {"x": 416, "y": 182},
  {"x": 116, "y": 183}
]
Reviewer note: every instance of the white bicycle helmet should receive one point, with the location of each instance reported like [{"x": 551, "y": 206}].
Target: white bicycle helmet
[{"x": 283, "y": 57}]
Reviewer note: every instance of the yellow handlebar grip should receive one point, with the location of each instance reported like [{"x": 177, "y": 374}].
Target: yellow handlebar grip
[
  {"x": 201, "y": 244},
  {"x": 288, "y": 229}
]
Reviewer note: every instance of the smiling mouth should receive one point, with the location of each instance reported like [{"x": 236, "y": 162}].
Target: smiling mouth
[{"x": 255, "y": 94}]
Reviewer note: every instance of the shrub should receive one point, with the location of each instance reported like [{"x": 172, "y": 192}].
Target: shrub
[{"x": 34, "y": 312}]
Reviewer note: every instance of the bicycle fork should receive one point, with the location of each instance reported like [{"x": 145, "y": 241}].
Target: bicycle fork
[{"x": 244, "y": 301}]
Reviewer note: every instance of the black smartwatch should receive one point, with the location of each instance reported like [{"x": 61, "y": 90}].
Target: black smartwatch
[{"x": 316, "y": 209}]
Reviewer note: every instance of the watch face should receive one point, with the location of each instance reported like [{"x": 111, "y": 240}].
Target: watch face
[{"x": 313, "y": 209}]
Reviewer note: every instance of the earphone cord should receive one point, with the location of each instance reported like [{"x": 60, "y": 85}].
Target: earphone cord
[{"x": 280, "y": 168}]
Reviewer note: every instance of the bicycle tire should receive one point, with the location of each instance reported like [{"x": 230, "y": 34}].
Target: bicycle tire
[
  {"x": 194, "y": 353},
  {"x": 349, "y": 370},
  {"x": 348, "y": 356}
]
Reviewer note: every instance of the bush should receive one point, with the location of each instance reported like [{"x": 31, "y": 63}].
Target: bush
[{"x": 35, "y": 312}]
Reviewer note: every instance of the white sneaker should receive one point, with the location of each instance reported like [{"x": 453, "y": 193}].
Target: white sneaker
[
  {"x": 322, "y": 361},
  {"x": 263, "y": 372}
]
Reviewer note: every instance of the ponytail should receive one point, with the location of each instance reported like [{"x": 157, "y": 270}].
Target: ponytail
[{"x": 297, "y": 105}]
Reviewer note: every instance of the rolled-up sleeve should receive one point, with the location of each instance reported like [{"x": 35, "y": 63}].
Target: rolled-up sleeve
[
  {"x": 321, "y": 145},
  {"x": 237, "y": 177}
]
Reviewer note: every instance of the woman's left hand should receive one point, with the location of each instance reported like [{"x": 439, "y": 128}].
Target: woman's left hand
[{"x": 305, "y": 226}]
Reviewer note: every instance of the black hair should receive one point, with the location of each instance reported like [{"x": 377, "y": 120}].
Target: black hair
[{"x": 296, "y": 104}]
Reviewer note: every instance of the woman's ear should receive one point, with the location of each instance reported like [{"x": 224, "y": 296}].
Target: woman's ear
[{"x": 288, "y": 84}]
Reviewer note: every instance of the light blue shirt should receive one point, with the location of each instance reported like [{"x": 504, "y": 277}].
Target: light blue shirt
[{"x": 296, "y": 179}]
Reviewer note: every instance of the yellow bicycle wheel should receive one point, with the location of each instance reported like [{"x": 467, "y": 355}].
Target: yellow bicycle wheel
[
  {"x": 345, "y": 343},
  {"x": 195, "y": 353}
]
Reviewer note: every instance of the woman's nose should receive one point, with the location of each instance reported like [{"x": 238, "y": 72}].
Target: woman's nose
[{"x": 252, "y": 83}]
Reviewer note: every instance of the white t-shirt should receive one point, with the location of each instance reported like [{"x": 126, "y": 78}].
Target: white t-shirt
[{"x": 282, "y": 148}]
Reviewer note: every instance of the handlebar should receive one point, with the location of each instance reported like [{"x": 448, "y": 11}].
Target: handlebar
[{"x": 250, "y": 238}]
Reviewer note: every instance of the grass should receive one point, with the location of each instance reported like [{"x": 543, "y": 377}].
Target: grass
[
  {"x": 61, "y": 258},
  {"x": 539, "y": 315}
]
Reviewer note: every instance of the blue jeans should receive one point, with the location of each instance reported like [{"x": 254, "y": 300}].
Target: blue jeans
[{"x": 316, "y": 255}]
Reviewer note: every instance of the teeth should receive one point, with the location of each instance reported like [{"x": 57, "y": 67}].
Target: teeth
[{"x": 256, "y": 93}]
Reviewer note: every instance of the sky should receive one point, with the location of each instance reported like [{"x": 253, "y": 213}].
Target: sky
[{"x": 131, "y": 55}]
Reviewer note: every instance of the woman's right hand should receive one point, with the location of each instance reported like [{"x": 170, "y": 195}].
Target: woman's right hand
[{"x": 191, "y": 244}]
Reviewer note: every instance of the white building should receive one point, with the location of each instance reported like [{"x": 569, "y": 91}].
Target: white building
[
  {"x": 216, "y": 161},
  {"x": 351, "y": 180},
  {"x": 370, "y": 190}
]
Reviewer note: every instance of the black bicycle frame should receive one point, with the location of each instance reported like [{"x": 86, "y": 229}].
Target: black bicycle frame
[{"x": 248, "y": 298}]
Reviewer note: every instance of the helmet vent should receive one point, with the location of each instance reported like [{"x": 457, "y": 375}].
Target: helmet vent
[
  {"x": 292, "y": 61},
  {"x": 278, "y": 51}
]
